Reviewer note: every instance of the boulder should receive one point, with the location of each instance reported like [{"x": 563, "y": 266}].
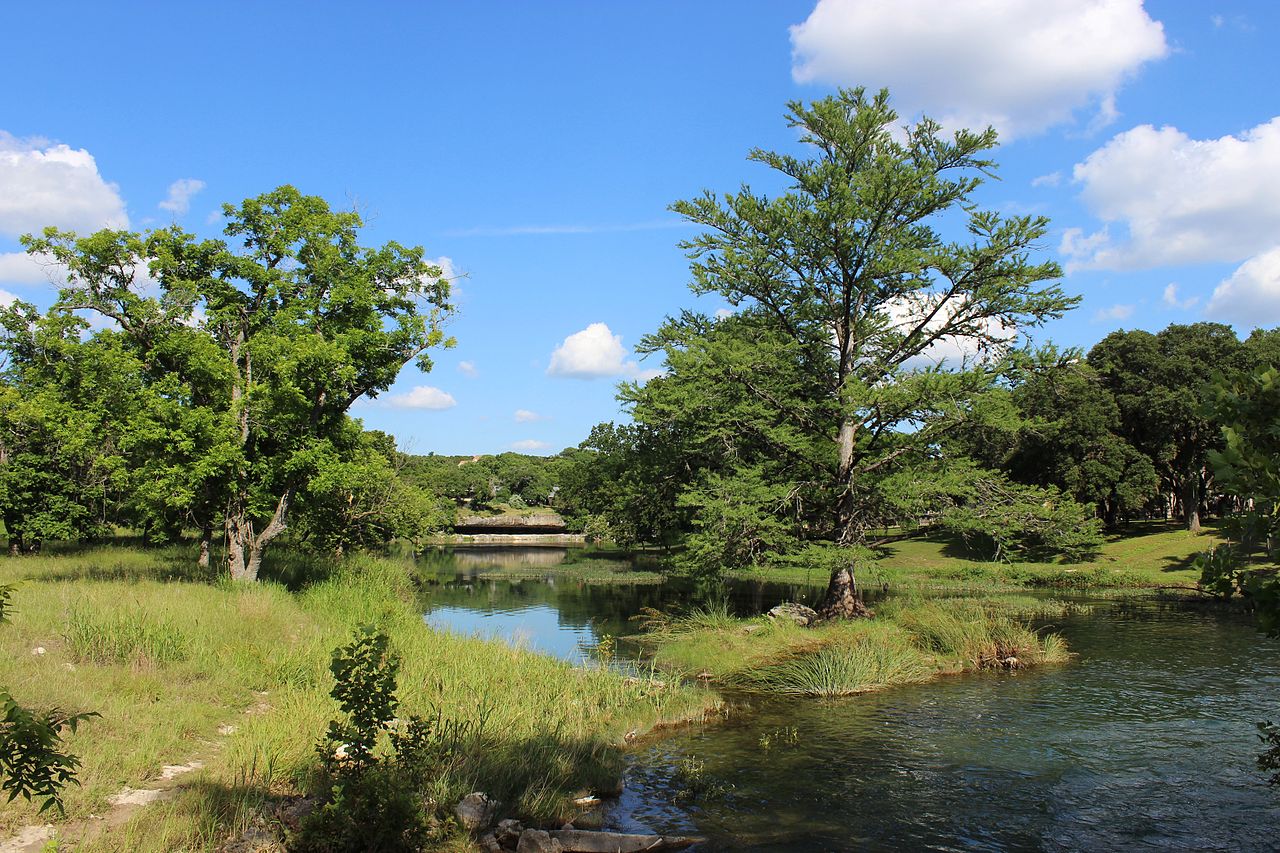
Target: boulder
[
  {"x": 508, "y": 832},
  {"x": 475, "y": 811},
  {"x": 797, "y": 613}
]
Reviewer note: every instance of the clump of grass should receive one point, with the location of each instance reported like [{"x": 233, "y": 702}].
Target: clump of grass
[
  {"x": 966, "y": 630},
  {"x": 842, "y": 668},
  {"x": 126, "y": 636}
]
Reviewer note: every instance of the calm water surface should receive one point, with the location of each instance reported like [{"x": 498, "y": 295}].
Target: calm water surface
[{"x": 1146, "y": 741}]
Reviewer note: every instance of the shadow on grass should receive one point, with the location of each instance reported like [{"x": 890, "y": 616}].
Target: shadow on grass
[
  {"x": 132, "y": 559},
  {"x": 1179, "y": 564}
]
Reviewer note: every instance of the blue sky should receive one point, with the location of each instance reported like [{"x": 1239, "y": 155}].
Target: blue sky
[{"x": 536, "y": 146}]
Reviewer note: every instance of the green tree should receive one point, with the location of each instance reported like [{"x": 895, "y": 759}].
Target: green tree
[
  {"x": 65, "y": 404},
  {"x": 1160, "y": 384},
  {"x": 855, "y": 256},
  {"x": 355, "y": 498},
  {"x": 291, "y": 326},
  {"x": 1070, "y": 439}
]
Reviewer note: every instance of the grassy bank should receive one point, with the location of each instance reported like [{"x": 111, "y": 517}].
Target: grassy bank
[
  {"x": 910, "y": 640},
  {"x": 1149, "y": 555},
  {"x": 183, "y": 668}
]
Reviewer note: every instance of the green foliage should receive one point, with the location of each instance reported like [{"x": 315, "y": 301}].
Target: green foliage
[
  {"x": 735, "y": 521},
  {"x": 378, "y": 798},
  {"x": 33, "y": 762},
  {"x": 1157, "y": 382},
  {"x": 357, "y": 498},
  {"x": 247, "y": 358},
  {"x": 364, "y": 676},
  {"x": 1248, "y": 464},
  {"x": 1008, "y": 520}
]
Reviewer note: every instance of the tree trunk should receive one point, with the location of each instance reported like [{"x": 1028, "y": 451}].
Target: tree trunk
[
  {"x": 14, "y": 548},
  {"x": 1191, "y": 502},
  {"x": 237, "y": 547},
  {"x": 206, "y": 539},
  {"x": 245, "y": 547},
  {"x": 844, "y": 475},
  {"x": 842, "y": 600}
]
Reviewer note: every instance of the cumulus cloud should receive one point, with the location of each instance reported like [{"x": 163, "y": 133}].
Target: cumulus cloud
[
  {"x": 6, "y": 298},
  {"x": 529, "y": 445},
  {"x": 42, "y": 184},
  {"x": 1020, "y": 65},
  {"x": 178, "y": 202},
  {"x": 1250, "y": 298},
  {"x": 21, "y": 268},
  {"x": 1177, "y": 199},
  {"x": 905, "y": 313},
  {"x": 1171, "y": 299},
  {"x": 524, "y": 416},
  {"x": 423, "y": 397},
  {"x": 468, "y": 369},
  {"x": 1050, "y": 180},
  {"x": 1115, "y": 312},
  {"x": 593, "y": 353}
]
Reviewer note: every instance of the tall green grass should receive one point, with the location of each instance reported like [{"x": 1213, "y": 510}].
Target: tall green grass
[{"x": 185, "y": 667}]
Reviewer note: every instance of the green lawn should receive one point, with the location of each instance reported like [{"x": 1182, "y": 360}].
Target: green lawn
[{"x": 1147, "y": 555}]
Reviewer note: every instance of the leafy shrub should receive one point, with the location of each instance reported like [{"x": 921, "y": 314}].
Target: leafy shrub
[
  {"x": 381, "y": 770},
  {"x": 32, "y": 761}
]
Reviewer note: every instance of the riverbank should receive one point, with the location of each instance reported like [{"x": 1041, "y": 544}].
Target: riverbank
[
  {"x": 908, "y": 641},
  {"x": 227, "y": 687}
]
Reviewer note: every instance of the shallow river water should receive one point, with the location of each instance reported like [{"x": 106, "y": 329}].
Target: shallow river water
[{"x": 1145, "y": 741}]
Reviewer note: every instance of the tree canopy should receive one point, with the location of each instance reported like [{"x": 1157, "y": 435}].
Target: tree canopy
[{"x": 252, "y": 349}]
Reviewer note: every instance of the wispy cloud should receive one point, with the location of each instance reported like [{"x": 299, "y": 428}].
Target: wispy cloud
[{"x": 519, "y": 230}]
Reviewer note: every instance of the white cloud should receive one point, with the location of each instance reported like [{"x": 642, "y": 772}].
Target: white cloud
[
  {"x": 45, "y": 184},
  {"x": 1050, "y": 180},
  {"x": 448, "y": 271},
  {"x": 1179, "y": 200},
  {"x": 21, "y": 268},
  {"x": 423, "y": 397},
  {"x": 529, "y": 445},
  {"x": 178, "y": 201},
  {"x": 468, "y": 369},
  {"x": 1115, "y": 312},
  {"x": 1020, "y": 65},
  {"x": 721, "y": 313},
  {"x": 992, "y": 335},
  {"x": 524, "y": 416},
  {"x": 593, "y": 353},
  {"x": 7, "y": 298},
  {"x": 1171, "y": 298},
  {"x": 1250, "y": 298}
]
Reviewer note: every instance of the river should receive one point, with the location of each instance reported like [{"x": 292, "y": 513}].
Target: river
[{"x": 1145, "y": 741}]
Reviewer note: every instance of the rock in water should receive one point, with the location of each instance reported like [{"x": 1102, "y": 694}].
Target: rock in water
[
  {"x": 797, "y": 613},
  {"x": 475, "y": 811},
  {"x": 582, "y": 841},
  {"x": 538, "y": 841}
]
